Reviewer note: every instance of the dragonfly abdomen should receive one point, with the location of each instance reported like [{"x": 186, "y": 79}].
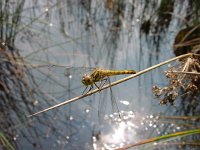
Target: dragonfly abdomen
[
  {"x": 118, "y": 72},
  {"x": 100, "y": 74}
]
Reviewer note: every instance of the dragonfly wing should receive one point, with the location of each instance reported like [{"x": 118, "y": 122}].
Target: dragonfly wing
[
  {"x": 52, "y": 75},
  {"x": 77, "y": 71},
  {"x": 115, "y": 108},
  {"x": 107, "y": 102},
  {"x": 102, "y": 106}
]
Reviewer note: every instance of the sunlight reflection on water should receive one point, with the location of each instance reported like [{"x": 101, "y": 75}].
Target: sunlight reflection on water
[
  {"x": 121, "y": 131},
  {"x": 130, "y": 128}
]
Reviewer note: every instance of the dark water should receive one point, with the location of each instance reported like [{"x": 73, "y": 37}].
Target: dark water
[{"x": 124, "y": 34}]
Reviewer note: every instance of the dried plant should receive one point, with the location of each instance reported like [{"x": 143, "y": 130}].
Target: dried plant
[{"x": 184, "y": 80}]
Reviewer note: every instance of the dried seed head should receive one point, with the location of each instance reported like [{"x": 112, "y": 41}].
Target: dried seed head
[
  {"x": 157, "y": 91},
  {"x": 175, "y": 82},
  {"x": 192, "y": 88},
  {"x": 173, "y": 95},
  {"x": 170, "y": 73},
  {"x": 180, "y": 79},
  {"x": 164, "y": 101}
]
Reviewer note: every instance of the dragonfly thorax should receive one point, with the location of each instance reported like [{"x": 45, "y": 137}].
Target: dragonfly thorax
[{"x": 87, "y": 80}]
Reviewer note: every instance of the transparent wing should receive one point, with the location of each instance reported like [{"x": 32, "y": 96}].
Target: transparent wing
[
  {"x": 57, "y": 71},
  {"x": 60, "y": 81},
  {"x": 72, "y": 71},
  {"x": 107, "y": 103}
]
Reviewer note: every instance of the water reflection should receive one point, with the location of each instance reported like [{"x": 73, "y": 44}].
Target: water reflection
[{"x": 131, "y": 128}]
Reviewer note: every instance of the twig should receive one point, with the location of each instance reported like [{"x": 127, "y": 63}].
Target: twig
[
  {"x": 113, "y": 83},
  {"x": 183, "y": 72},
  {"x": 192, "y": 118}
]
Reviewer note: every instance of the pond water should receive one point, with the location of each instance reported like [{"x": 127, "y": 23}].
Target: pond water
[{"x": 80, "y": 34}]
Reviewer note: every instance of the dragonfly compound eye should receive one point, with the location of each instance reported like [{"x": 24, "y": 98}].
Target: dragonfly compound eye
[{"x": 86, "y": 80}]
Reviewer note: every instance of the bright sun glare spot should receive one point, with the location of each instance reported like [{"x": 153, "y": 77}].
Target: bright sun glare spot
[
  {"x": 46, "y": 9},
  {"x": 150, "y": 123},
  {"x": 155, "y": 143},
  {"x": 131, "y": 124},
  {"x": 154, "y": 125},
  {"x": 87, "y": 110},
  {"x": 118, "y": 135},
  {"x": 125, "y": 117},
  {"x": 71, "y": 118},
  {"x": 124, "y": 102},
  {"x": 94, "y": 146},
  {"x": 94, "y": 138},
  {"x": 111, "y": 115},
  {"x": 137, "y": 20},
  {"x": 142, "y": 123},
  {"x": 70, "y": 76},
  {"x": 122, "y": 111}
]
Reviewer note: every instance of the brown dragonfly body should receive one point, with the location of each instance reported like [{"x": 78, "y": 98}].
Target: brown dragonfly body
[{"x": 98, "y": 75}]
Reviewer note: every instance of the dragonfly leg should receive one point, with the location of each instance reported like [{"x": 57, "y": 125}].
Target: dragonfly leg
[
  {"x": 103, "y": 83},
  {"x": 84, "y": 90},
  {"x": 97, "y": 86},
  {"x": 91, "y": 87}
]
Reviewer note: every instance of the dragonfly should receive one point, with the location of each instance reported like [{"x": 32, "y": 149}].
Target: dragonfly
[
  {"x": 97, "y": 77},
  {"x": 100, "y": 75}
]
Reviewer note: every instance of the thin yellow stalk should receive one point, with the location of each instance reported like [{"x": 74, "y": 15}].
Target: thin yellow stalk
[{"x": 184, "y": 72}]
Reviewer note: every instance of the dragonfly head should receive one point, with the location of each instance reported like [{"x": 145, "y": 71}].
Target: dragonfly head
[{"x": 86, "y": 80}]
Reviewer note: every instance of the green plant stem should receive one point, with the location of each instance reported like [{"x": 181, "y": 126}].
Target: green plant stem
[
  {"x": 5, "y": 142},
  {"x": 156, "y": 139}
]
